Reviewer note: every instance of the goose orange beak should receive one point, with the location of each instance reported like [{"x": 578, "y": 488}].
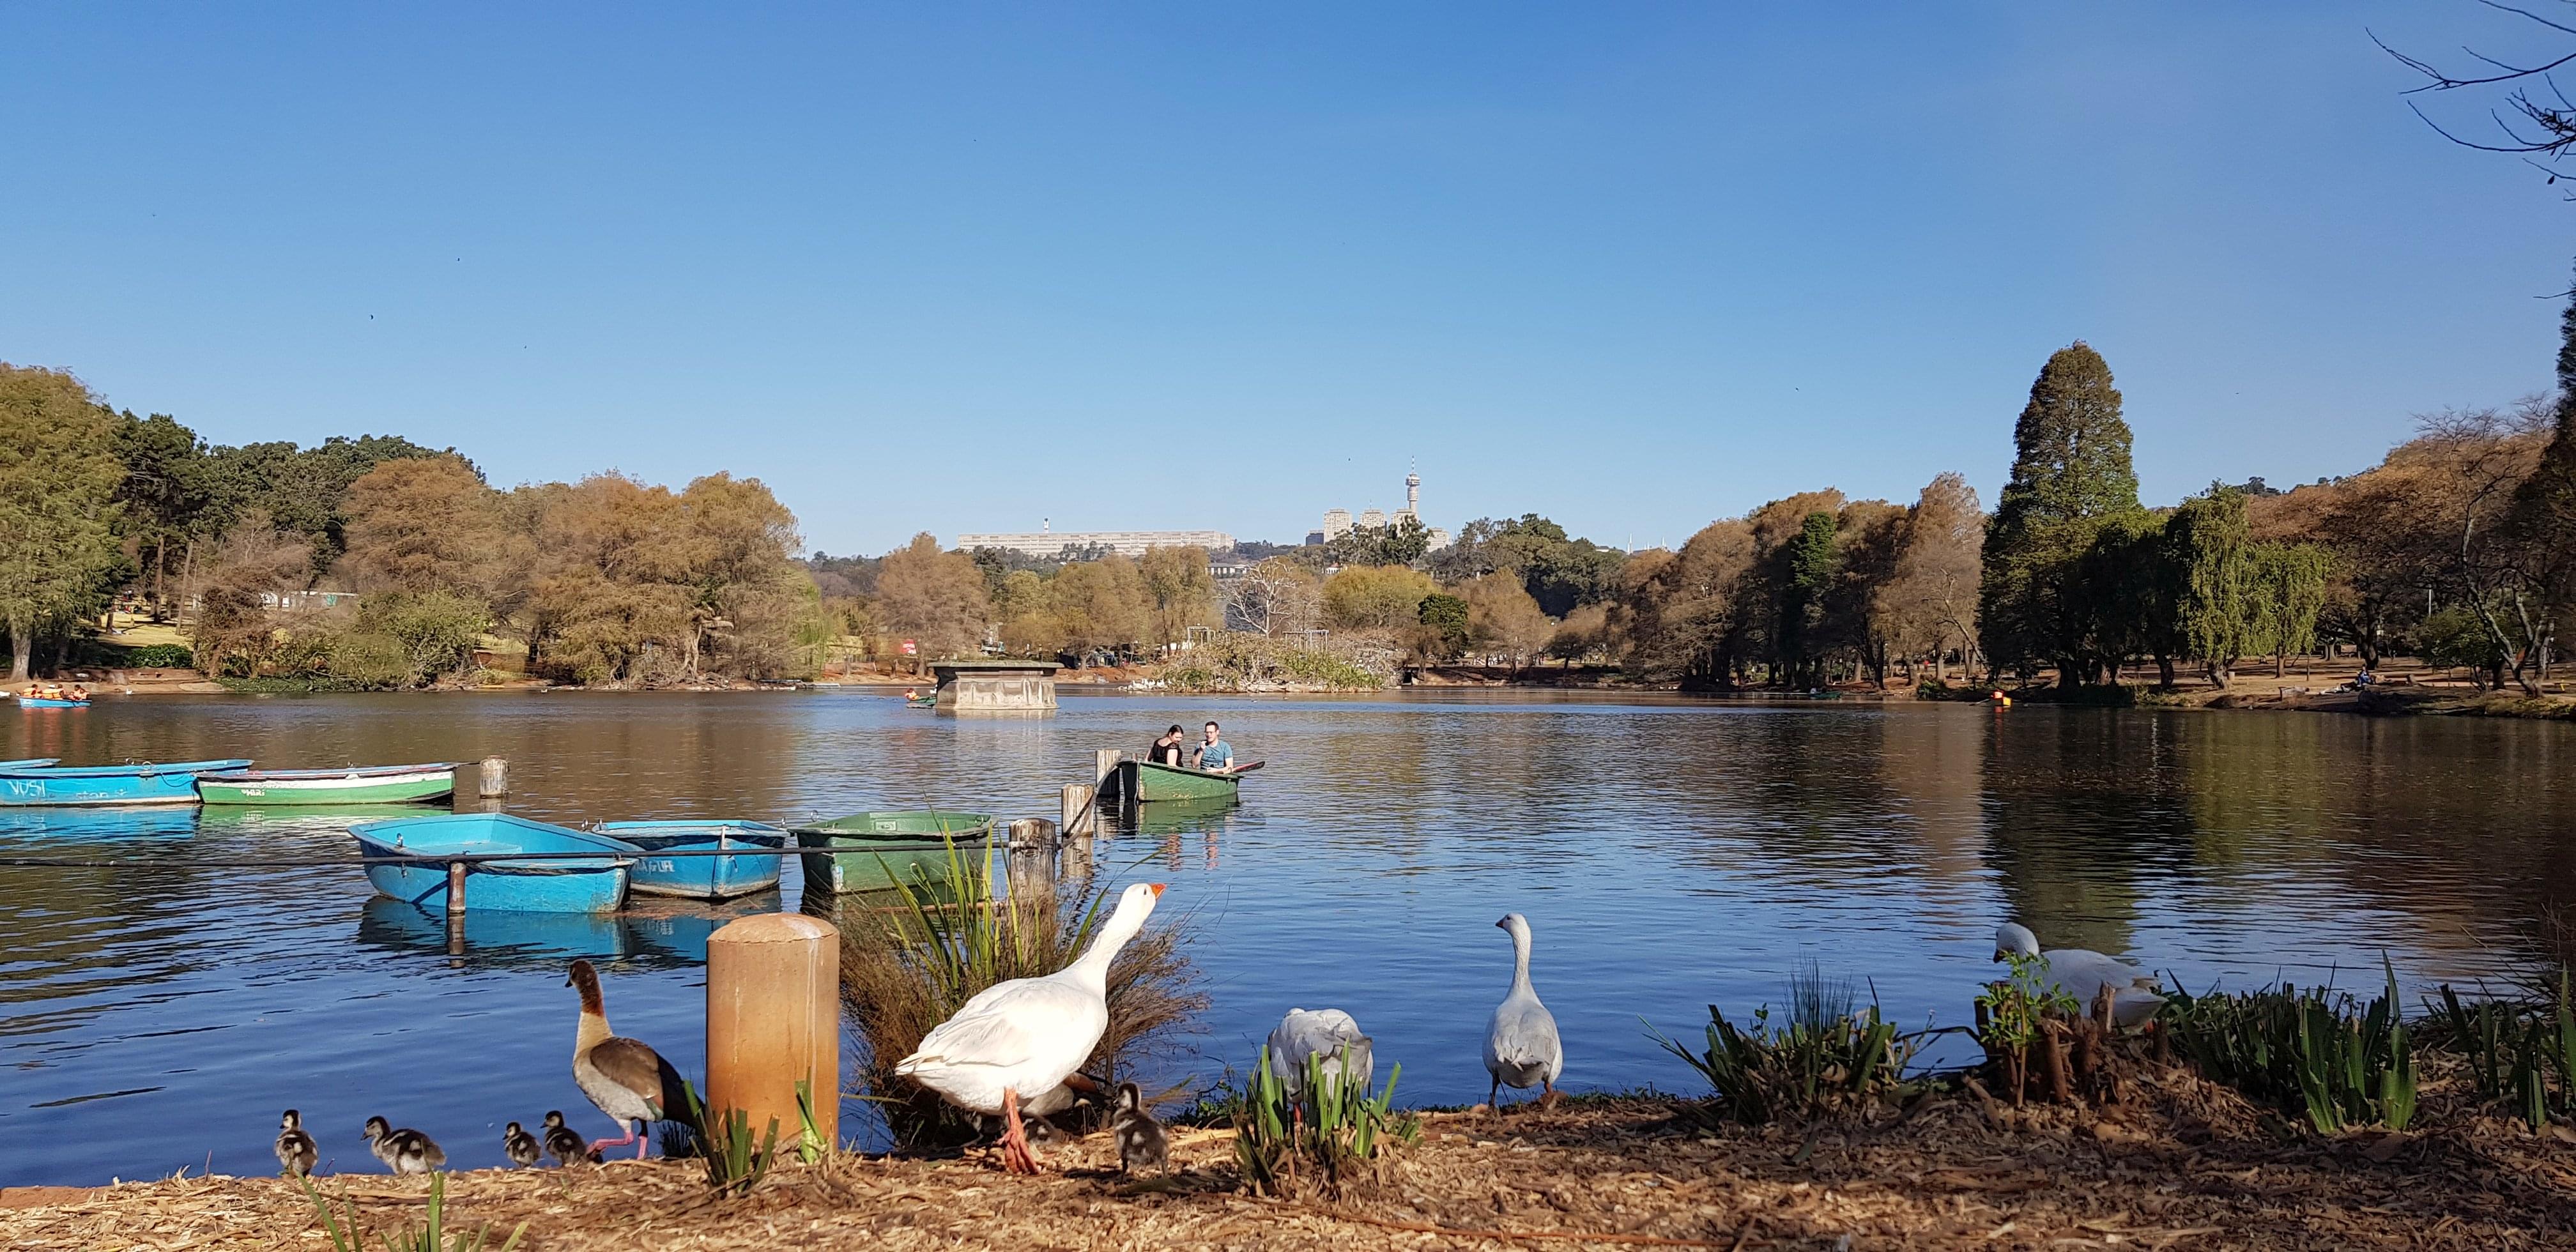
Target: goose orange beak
[{"x": 1157, "y": 889}]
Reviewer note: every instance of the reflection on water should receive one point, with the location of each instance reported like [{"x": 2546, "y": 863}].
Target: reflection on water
[{"x": 1669, "y": 854}]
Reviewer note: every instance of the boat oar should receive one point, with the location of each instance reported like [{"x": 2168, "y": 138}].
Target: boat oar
[{"x": 1246, "y": 769}]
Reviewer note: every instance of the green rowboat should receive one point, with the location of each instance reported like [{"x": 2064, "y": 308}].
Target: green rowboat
[
  {"x": 875, "y": 851},
  {"x": 372, "y": 784},
  {"x": 1146, "y": 781}
]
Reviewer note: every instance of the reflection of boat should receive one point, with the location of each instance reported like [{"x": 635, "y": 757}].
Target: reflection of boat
[
  {"x": 699, "y": 877},
  {"x": 504, "y": 940},
  {"x": 679, "y": 932},
  {"x": 29, "y": 763},
  {"x": 1184, "y": 815},
  {"x": 368, "y": 784},
  {"x": 875, "y": 851},
  {"x": 572, "y": 885},
  {"x": 98, "y": 823},
  {"x": 108, "y": 784},
  {"x": 332, "y": 819},
  {"x": 1144, "y": 780}
]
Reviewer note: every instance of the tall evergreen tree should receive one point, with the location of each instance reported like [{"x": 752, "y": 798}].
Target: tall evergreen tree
[
  {"x": 2071, "y": 474},
  {"x": 2546, "y": 502}
]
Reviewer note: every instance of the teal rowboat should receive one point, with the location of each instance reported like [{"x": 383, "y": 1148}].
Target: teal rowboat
[
  {"x": 1146, "y": 781},
  {"x": 372, "y": 784},
  {"x": 108, "y": 784},
  {"x": 876, "y": 851}
]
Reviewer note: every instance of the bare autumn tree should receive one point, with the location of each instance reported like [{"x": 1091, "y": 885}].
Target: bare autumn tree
[
  {"x": 1929, "y": 602},
  {"x": 2526, "y": 112},
  {"x": 2477, "y": 460},
  {"x": 1274, "y": 597},
  {"x": 933, "y": 597}
]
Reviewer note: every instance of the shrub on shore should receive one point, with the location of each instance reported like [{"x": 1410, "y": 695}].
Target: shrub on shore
[{"x": 1242, "y": 662}]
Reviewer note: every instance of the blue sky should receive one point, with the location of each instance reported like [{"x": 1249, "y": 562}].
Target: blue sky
[{"x": 1632, "y": 266}]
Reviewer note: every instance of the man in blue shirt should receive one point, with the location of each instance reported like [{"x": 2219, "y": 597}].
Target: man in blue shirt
[{"x": 1216, "y": 756}]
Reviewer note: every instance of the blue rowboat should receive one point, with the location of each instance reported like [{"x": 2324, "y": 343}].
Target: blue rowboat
[
  {"x": 589, "y": 884},
  {"x": 107, "y": 784},
  {"x": 698, "y": 877}
]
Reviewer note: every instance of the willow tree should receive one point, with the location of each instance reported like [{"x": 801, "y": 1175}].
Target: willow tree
[
  {"x": 2071, "y": 473},
  {"x": 2289, "y": 593},
  {"x": 2215, "y": 605},
  {"x": 59, "y": 472}
]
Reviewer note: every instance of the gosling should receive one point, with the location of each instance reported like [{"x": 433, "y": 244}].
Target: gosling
[
  {"x": 296, "y": 1152},
  {"x": 1141, "y": 1141},
  {"x": 404, "y": 1151},
  {"x": 562, "y": 1142},
  {"x": 520, "y": 1146}
]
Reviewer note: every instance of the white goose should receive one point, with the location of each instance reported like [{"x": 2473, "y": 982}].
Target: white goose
[
  {"x": 1521, "y": 1047},
  {"x": 1019, "y": 1040},
  {"x": 2082, "y": 973},
  {"x": 1320, "y": 1033}
]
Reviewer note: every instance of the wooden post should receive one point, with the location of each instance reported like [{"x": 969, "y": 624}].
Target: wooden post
[
  {"x": 1104, "y": 763},
  {"x": 494, "y": 777},
  {"x": 455, "y": 888},
  {"x": 1081, "y": 816},
  {"x": 773, "y": 1020},
  {"x": 1032, "y": 832}
]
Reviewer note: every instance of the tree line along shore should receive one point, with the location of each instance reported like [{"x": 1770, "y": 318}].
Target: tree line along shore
[{"x": 380, "y": 563}]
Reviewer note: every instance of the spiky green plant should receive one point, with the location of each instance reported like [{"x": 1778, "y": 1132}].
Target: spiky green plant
[
  {"x": 735, "y": 1161},
  {"x": 2514, "y": 1052},
  {"x": 347, "y": 1235},
  {"x": 1332, "y": 1135},
  {"x": 1826, "y": 1054},
  {"x": 2314, "y": 1053}
]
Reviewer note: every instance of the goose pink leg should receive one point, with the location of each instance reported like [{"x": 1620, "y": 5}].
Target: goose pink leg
[{"x": 629, "y": 1137}]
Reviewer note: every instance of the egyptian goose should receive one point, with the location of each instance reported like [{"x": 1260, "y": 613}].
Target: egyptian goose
[
  {"x": 296, "y": 1152},
  {"x": 2082, "y": 974},
  {"x": 1021, "y": 1039},
  {"x": 520, "y": 1146},
  {"x": 1521, "y": 1047},
  {"x": 626, "y": 1078},
  {"x": 562, "y": 1142},
  {"x": 1140, "y": 1138},
  {"x": 404, "y": 1151}
]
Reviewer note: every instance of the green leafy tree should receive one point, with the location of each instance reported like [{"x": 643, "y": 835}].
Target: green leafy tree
[
  {"x": 59, "y": 473},
  {"x": 1400, "y": 542},
  {"x": 164, "y": 492},
  {"x": 2216, "y": 610},
  {"x": 1808, "y": 564},
  {"x": 1375, "y": 597},
  {"x": 2071, "y": 474},
  {"x": 2289, "y": 593},
  {"x": 1444, "y": 623}
]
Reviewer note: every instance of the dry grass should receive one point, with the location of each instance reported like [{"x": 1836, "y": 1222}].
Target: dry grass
[
  {"x": 2182, "y": 1164},
  {"x": 919, "y": 967}
]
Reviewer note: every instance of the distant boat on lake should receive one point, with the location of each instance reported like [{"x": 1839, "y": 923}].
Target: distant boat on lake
[
  {"x": 362, "y": 784},
  {"x": 568, "y": 885},
  {"x": 50, "y": 702},
  {"x": 107, "y": 784},
  {"x": 699, "y": 877}
]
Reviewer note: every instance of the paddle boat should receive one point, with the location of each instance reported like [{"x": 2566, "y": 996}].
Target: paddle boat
[
  {"x": 358, "y": 784},
  {"x": 51, "y": 702},
  {"x": 107, "y": 784},
  {"x": 876, "y": 851},
  {"x": 698, "y": 877},
  {"x": 583, "y": 884}
]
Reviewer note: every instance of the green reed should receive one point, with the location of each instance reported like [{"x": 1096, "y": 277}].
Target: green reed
[{"x": 1335, "y": 1133}]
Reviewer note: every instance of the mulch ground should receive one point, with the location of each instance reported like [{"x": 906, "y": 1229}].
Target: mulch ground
[{"x": 2180, "y": 1165}]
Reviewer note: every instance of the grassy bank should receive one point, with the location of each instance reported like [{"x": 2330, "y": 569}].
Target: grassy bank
[{"x": 2182, "y": 1164}]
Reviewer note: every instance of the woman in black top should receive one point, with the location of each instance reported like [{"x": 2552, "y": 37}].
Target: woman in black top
[{"x": 1166, "y": 750}]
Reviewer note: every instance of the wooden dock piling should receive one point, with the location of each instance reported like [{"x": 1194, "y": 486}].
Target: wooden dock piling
[
  {"x": 455, "y": 888},
  {"x": 773, "y": 1020},
  {"x": 493, "y": 779}
]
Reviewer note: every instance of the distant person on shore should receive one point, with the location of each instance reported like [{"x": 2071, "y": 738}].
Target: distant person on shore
[
  {"x": 1169, "y": 749},
  {"x": 1216, "y": 756}
]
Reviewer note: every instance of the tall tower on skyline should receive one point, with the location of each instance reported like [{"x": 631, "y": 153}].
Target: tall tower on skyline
[{"x": 1412, "y": 493}]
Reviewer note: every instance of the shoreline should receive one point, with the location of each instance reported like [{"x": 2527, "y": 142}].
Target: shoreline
[{"x": 2180, "y": 1163}]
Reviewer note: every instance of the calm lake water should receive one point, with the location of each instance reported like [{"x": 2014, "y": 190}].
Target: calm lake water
[{"x": 1669, "y": 854}]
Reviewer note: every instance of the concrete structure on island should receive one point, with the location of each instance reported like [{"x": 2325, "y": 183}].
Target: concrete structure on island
[
  {"x": 1047, "y": 542},
  {"x": 1005, "y": 685}
]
